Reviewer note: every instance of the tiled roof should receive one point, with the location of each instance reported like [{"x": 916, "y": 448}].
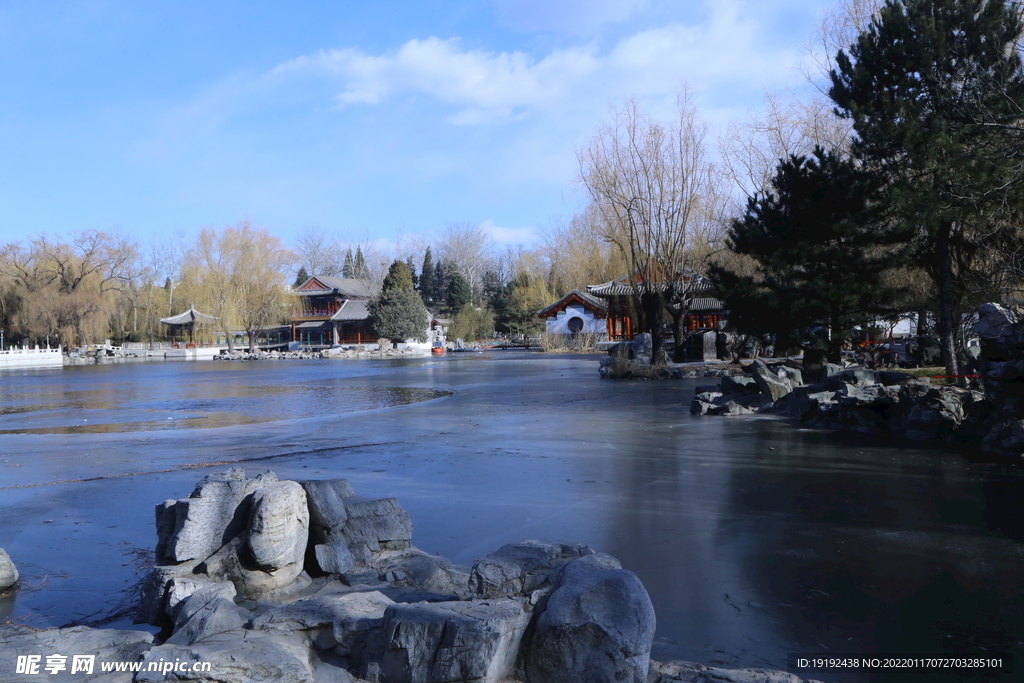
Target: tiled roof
[
  {"x": 592, "y": 302},
  {"x": 344, "y": 286},
  {"x": 189, "y": 316},
  {"x": 352, "y": 310}
]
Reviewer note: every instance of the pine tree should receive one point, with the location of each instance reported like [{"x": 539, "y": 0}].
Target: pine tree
[
  {"x": 427, "y": 277},
  {"x": 347, "y": 270},
  {"x": 935, "y": 91},
  {"x": 412, "y": 271},
  {"x": 301, "y": 276},
  {"x": 821, "y": 251},
  {"x": 359, "y": 269},
  {"x": 398, "y": 313},
  {"x": 459, "y": 293}
]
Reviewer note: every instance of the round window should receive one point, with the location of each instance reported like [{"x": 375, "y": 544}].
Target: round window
[{"x": 575, "y": 324}]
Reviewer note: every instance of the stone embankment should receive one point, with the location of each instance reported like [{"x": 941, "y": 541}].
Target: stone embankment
[
  {"x": 268, "y": 580},
  {"x": 335, "y": 353},
  {"x": 987, "y": 415}
]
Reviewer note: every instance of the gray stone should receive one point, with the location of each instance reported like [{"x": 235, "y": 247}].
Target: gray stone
[
  {"x": 768, "y": 382},
  {"x": 326, "y": 502},
  {"x": 707, "y": 396},
  {"x": 334, "y": 558},
  {"x": 182, "y": 588},
  {"x": 734, "y": 408},
  {"x": 341, "y": 622},
  {"x": 596, "y": 626},
  {"x": 211, "y": 515},
  {"x": 374, "y": 525},
  {"x": 279, "y": 527},
  {"x": 8, "y": 572},
  {"x": 203, "y": 615},
  {"x": 416, "y": 569},
  {"x": 106, "y": 644},
  {"x": 795, "y": 377},
  {"x": 238, "y": 656},
  {"x": 738, "y": 384},
  {"x": 855, "y": 376},
  {"x": 520, "y": 568},
  {"x": 152, "y": 607},
  {"x": 700, "y": 407},
  {"x": 450, "y": 642}
]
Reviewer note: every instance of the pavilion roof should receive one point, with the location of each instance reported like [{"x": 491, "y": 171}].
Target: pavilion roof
[{"x": 188, "y": 317}]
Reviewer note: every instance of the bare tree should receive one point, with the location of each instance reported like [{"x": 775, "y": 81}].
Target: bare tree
[
  {"x": 654, "y": 189},
  {"x": 469, "y": 247},
  {"x": 319, "y": 252}
]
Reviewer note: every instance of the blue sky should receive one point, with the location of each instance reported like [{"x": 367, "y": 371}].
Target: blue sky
[{"x": 371, "y": 119}]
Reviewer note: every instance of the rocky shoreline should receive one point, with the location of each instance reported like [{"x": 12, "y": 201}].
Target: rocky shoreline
[
  {"x": 259, "y": 579},
  {"x": 986, "y": 415}
]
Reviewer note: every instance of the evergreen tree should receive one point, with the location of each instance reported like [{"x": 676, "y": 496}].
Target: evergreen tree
[
  {"x": 412, "y": 272},
  {"x": 347, "y": 269},
  {"x": 301, "y": 276},
  {"x": 398, "y": 277},
  {"x": 459, "y": 293},
  {"x": 427, "y": 277},
  {"x": 820, "y": 251},
  {"x": 398, "y": 313},
  {"x": 496, "y": 294},
  {"x": 359, "y": 269},
  {"x": 935, "y": 91}
]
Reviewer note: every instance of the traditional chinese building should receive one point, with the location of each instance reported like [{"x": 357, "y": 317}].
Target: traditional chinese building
[
  {"x": 332, "y": 310},
  {"x": 576, "y": 313},
  {"x": 706, "y": 312},
  {"x": 191, "y": 328}
]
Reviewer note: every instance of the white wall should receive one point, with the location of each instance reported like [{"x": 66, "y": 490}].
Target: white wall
[{"x": 591, "y": 325}]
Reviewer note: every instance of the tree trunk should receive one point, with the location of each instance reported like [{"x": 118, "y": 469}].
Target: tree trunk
[
  {"x": 947, "y": 308},
  {"x": 252, "y": 340},
  {"x": 653, "y": 306},
  {"x": 679, "y": 332},
  {"x": 835, "y": 341}
]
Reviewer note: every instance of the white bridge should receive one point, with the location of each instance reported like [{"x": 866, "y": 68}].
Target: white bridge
[{"x": 25, "y": 357}]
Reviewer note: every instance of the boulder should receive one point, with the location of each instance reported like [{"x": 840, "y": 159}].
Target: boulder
[
  {"x": 279, "y": 527},
  {"x": 334, "y": 558},
  {"x": 430, "y": 573},
  {"x": 520, "y": 568},
  {"x": 326, "y": 502},
  {"x": 338, "y": 622},
  {"x": 194, "y": 528},
  {"x": 237, "y": 656},
  {"x": 8, "y": 572},
  {"x": 999, "y": 332},
  {"x": 738, "y": 384},
  {"x": 795, "y": 377},
  {"x": 451, "y": 642},
  {"x": 105, "y": 644},
  {"x": 770, "y": 384},
  {"x": 855, "y": 376},
  {"x": 181, "y": 589},
  {"x": 204, "y": 614},
  {"x": 596, "y": 626},
  {"x": 374, "y": 525}
]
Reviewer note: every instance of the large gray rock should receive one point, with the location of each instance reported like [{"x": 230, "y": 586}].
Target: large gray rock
[
  {"x": 334, "y": 558},
  {"x": 326, "y": 501},
  {"x": 519, "y": 568},
  {"x": 374, "y": 525},
  {"x": 596, "y": 626},
  {"x": 233, "y": 562},
  {"x": 182, "y": 588},
  {"x": 194, "y": 528},
  {"x": 420, "y": 571},
  {"x": 202, "y": 616},
  {"x": 279, "y": 527},
  {"x": 738, "y": 384},
  {"x": 106, "y": 644},
  {"x": 236, "y": 657},
  {"x": 770, "y": 384},
  {"x": 451, "y": 642},
  {"x": 1000, "y": 333},
  {"x": 338, "y": 622},
  {"x": 8, "y": 572}
]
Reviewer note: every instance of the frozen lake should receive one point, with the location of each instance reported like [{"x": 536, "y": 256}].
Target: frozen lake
[{"x": 754, "y": 539}]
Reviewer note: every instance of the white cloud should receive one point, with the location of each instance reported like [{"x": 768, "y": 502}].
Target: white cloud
[
  {"x": 716, "y": 57},
  {"x": 503, "y": 235}
]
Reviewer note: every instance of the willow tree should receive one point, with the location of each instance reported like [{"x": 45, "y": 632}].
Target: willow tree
[
  {"x": 935, "y": 92},
  {"x": 653, "y": 189}
]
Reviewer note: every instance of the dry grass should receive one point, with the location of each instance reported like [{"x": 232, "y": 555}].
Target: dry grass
[{"x": 574, "y": 343}]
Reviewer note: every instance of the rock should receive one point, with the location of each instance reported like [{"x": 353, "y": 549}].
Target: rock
[
  {"x": 8, "y": 572},
  {"x": 734, "y": 408},
  {"x": 374, "y": 525},
  {"x": 596, "y": 626},
  {"x": 326, "y": 502},
  {"x": 194, "y": 528},
  {"x": 641, "y": 349},
  {"x": 106, "y": 644},
  {"x": 203, "y": 615},
  {"x": 768, "y": 382},
  {"x": 691, "y": 672},
  {"x": 233, "y": 563},
  {"x": 450, "y": 642},
  {"x": 334, "y": 558},
  {"x": 520, "y": 568},
  {"x": 700, "y": 407},
  {"x": 738, "y": 384},
  {"x": 707, "y": 396},
  {"x": 341, "y": 622},
  {"x": 855, "y": 376},
  {"x": 153, "y": 606},
  {"x": 182, "y": 588},
  {"x": 279, "y": 527},
  {"x": 237, "y": 656},
  {"x": 420, "y": 571},
  {"x": 1000, "y": 334},
  {"x": 795, "y": 377}
]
